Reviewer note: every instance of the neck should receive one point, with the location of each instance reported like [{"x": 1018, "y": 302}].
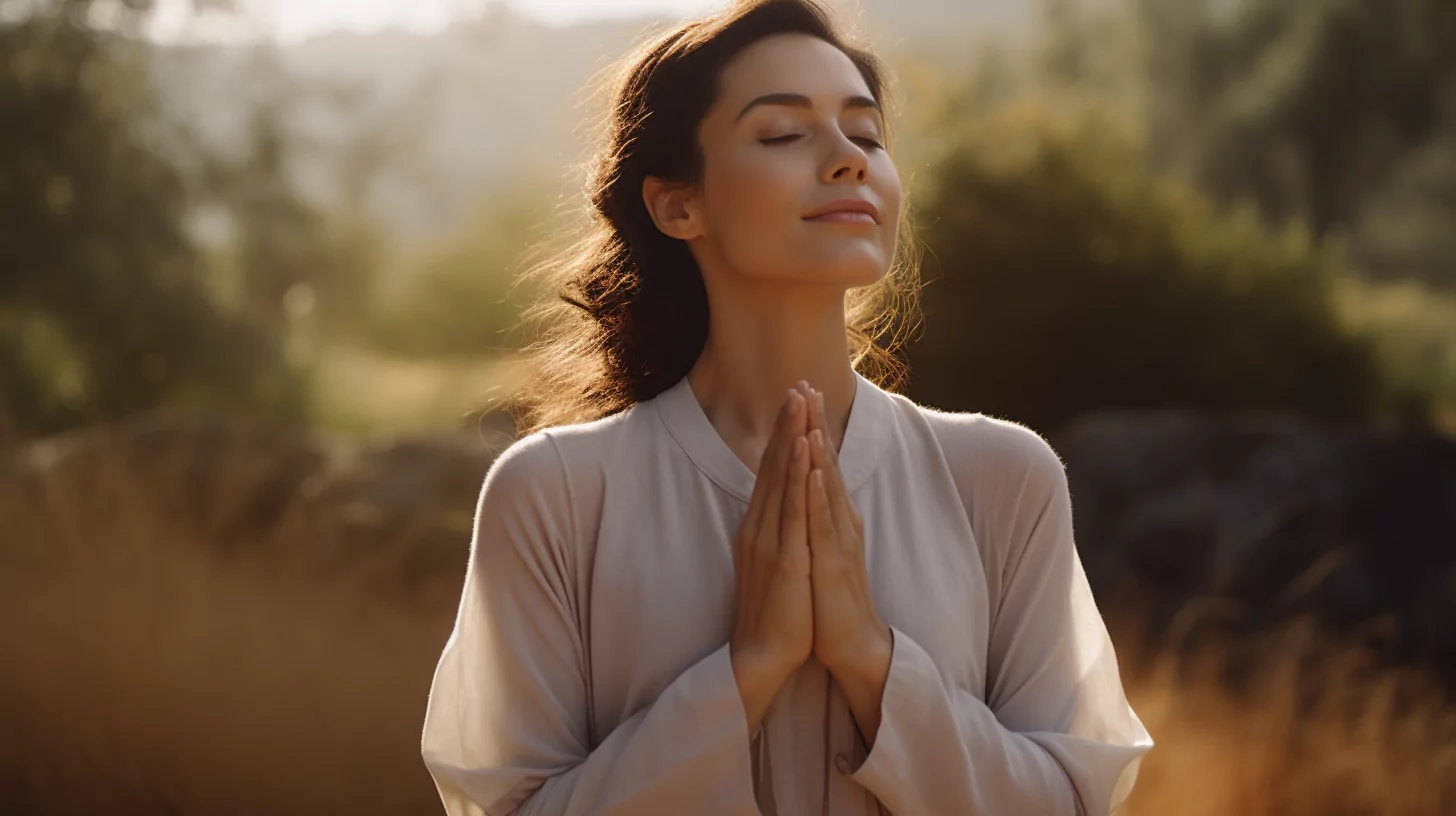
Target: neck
[{"x": 760, "y": 343}]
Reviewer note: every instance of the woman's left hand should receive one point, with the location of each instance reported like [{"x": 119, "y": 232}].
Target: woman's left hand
[{"x": 849, "y": 636}]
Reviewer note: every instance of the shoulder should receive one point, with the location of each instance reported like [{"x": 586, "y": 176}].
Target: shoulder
[
  {"x": 1012, "y": 483},
  {"x": 548, "y": 455},
  {"x": 555, "y": 479},
  {"x": 525, "y": 493},
  {"x": 526, "y": 464},
  {"x": 988, "y": 449}
]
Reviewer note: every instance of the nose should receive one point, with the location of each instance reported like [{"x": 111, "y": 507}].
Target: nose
[{"x": 847, "y": 162}]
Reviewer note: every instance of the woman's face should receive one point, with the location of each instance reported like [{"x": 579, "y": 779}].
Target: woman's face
[{"x": 793, "y": 131}]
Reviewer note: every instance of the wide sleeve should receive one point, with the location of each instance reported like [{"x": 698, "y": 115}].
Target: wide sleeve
[
  {"x": 507, "y": 724},
  {"x": 1055, "y": 734}
]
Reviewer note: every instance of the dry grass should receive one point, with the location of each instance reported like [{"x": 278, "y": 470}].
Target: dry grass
[
  {"x": 1311, "y": 728},
  {"x": 149, "y": 670},
  {"x": 144, "y": 673},
  {"x": 176, "y": 683}
]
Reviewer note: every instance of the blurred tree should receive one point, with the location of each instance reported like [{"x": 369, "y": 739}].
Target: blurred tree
[
  {"x": 1407, "y": 228},
  {"x": 1084, "y": 48},
  {"x": 298, "y": 268},
  {"x": 102, "y": 307},
  {"x": 1410, "y": 327},
  {"x": 1075, "y": 280},
  {"x": 1316, "y": 109},
  {"x": 462, "y": 296}
]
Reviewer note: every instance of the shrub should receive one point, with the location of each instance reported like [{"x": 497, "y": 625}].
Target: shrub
[{"x": 1063, "y": 276}]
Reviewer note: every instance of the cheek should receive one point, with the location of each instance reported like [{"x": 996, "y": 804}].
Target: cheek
[
  {"x": 891, "y": 221},
  {"x": 753, "y": 207},
  {"x": 887, "y": 186}
]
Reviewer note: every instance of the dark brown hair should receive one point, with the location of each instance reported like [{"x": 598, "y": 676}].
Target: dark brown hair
[{"x": 626, "y": 310}]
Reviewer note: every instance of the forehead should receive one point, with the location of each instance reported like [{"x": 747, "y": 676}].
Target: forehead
[{"x": 788, "y": 63}]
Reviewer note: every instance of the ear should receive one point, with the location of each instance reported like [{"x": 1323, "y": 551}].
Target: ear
[{"x": 673, "y": 207}]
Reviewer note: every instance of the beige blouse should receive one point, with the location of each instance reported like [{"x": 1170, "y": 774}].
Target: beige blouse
[{"x": 588, "y": 670}]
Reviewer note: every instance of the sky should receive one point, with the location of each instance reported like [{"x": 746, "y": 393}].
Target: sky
[
  {"x": 294, "y": 20},
  {"x": 568, "y": 11}
]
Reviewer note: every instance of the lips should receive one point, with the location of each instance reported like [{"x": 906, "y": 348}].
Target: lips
[{"x": 845, "y": 210}]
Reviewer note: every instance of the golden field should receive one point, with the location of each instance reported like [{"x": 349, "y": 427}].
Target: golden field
[{"x": 150, "y": 671}]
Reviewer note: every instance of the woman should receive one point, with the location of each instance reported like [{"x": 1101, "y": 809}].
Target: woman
[{"x": 724, "y": 572}]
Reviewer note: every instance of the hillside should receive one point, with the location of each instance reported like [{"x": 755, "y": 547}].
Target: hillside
[{"x": 440, "y": 120}]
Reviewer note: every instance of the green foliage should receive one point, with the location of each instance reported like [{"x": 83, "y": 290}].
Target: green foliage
[
  {"x": 1411, "y": 327},
  {"x": 305, "y": 272},
  {"x": 1065, "y": 277},
  {"x": 284, "y": 243},
  {"x": 1405, "y": 230},
  {"x": 1334, "y": 112},
  {"x": 1074, "y": 277},
  {"x": 102, "y": 309},
  {"x": 460, "y": 297}
]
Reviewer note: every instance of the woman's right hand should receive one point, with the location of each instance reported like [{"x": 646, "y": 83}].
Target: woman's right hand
[{"x": 774, "y": 631}]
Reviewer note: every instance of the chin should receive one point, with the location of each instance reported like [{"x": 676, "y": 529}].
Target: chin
[
  {"x": 850, "y": 269},
  {"x": 861, "y": 271},
  {"x": 864, "y": 278}
]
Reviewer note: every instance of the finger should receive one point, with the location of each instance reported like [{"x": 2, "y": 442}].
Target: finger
[
  {"x": 761, "y": 484},
  {"x": 821, "y": 453},
  {"x": 793, "y": 525},
  {"x": 814, "y": 418},
  {"x": 799, "y": 424},
  {"x": 840, "y": 505},
  {"x": 790, "y": 428},
  {"x": 816, "y": 410},
  {"x": 773, "y": 471},
  {"x": 821, "y": 521}
]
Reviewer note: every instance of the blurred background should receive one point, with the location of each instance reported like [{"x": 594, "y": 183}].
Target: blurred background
[{"x": 257, "y": 320}]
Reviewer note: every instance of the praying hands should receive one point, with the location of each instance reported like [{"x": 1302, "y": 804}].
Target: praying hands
[{"x": 803, "y": 584}]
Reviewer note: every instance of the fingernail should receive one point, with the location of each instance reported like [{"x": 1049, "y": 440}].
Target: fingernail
[
  {"x": 804, "y": 384},
  {"x": 793, "y": 404}
]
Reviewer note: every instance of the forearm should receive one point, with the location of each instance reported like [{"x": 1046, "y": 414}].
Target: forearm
[
  {"x": 494, "y": 759},
  {"x": 940, "y": 749}
]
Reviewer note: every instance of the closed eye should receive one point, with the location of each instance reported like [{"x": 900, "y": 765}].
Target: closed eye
[{"x": 862, "y": 140}]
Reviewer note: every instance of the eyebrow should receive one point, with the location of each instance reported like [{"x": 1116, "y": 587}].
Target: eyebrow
[{"x": 794, "y": 100}]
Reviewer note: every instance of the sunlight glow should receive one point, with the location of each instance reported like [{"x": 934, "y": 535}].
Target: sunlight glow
[
  {"x": 299, "y": 19},
  {"x": 562, "y": 12},
  {"x": 295, "y": 20}
]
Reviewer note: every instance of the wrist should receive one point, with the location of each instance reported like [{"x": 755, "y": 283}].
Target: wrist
[
  {"x": 756, "y": 671},
  {"x": 869, "y": 659},
  {"x": 759, "y": 681}
]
